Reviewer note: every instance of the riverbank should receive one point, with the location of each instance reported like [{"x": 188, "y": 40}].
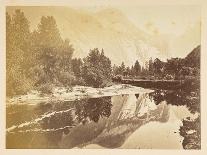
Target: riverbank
[
  {"x": 158, "y": 84},
  {"x": 75, "y": 93}
]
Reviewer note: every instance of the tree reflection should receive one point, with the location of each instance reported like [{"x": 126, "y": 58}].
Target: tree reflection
[
  {"x": 93, "y": 109},
  {"x": 188, "y": 95},
  {"x": 191, "y": 140}
]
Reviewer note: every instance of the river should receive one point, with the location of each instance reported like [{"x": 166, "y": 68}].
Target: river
[{"x": 142, "y": 119}]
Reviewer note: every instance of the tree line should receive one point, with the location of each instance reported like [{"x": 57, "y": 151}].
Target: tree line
[
  {"x": 172, "y": 69},
  {"x": 41, "y": 59}
]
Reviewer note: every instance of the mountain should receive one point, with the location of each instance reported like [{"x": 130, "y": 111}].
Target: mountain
[
  {"x": 108, "y": 28},
  {"x": 193, "y": 58}
]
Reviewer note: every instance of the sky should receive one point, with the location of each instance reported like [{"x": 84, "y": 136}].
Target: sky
[
  {"x": 165, "y": 19},
  {"x": 178, "y": 25}
]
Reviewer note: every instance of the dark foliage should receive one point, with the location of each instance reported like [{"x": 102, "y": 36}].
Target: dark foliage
[
  {"x": 93, "y": 109},
  {"x": 96, "y": 70},
  {"x": 42, "y": 59},
  {"x": 173, "y": 69}
]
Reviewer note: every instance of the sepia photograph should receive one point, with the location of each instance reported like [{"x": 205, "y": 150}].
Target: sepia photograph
[{"x": 103, "y": 77}]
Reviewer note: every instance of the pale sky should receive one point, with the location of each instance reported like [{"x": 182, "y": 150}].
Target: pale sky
[
  {"x": 165, "y": 19},
  {"x": 174, "y": 29}
]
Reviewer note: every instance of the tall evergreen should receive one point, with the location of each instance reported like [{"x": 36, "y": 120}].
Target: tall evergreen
[
  {"x": 18, "y": 53},
  {"x": 96, "y": 69}
]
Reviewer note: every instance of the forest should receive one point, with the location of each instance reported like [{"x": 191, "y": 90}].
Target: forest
[
  {"x": 41, "y": 59},
  {"x": 172, "y": 69}
]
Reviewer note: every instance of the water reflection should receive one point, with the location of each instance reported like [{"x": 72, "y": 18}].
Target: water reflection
[
  {"x": 190, "y": 130},
  {"x": 178, "y": 97},
  {"x": 93, "y": 109},
  {"x": 109, "y": 122},
  {"x": 43, "y": 125},
  {"x": 187, "y": 96},
  {"x": 134, "y": 113}
]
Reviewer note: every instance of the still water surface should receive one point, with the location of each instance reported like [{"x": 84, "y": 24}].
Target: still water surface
[{"x": 122, "y": 121}]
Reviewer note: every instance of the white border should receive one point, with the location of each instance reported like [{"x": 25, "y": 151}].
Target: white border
[{"x": 202, "y": 3}]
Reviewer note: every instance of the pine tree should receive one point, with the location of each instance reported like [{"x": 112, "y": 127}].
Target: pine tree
[
  {"x": 18, "y": 57},
  {"x": 122, "y": 68},
  {"x": 96, "y": 69},
  {"x": 54, "y": 54},
  {"x": 137, "y": 68}
]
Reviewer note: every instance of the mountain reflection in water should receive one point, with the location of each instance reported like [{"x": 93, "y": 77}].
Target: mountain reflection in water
[{"x": 125, "y": 121}]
